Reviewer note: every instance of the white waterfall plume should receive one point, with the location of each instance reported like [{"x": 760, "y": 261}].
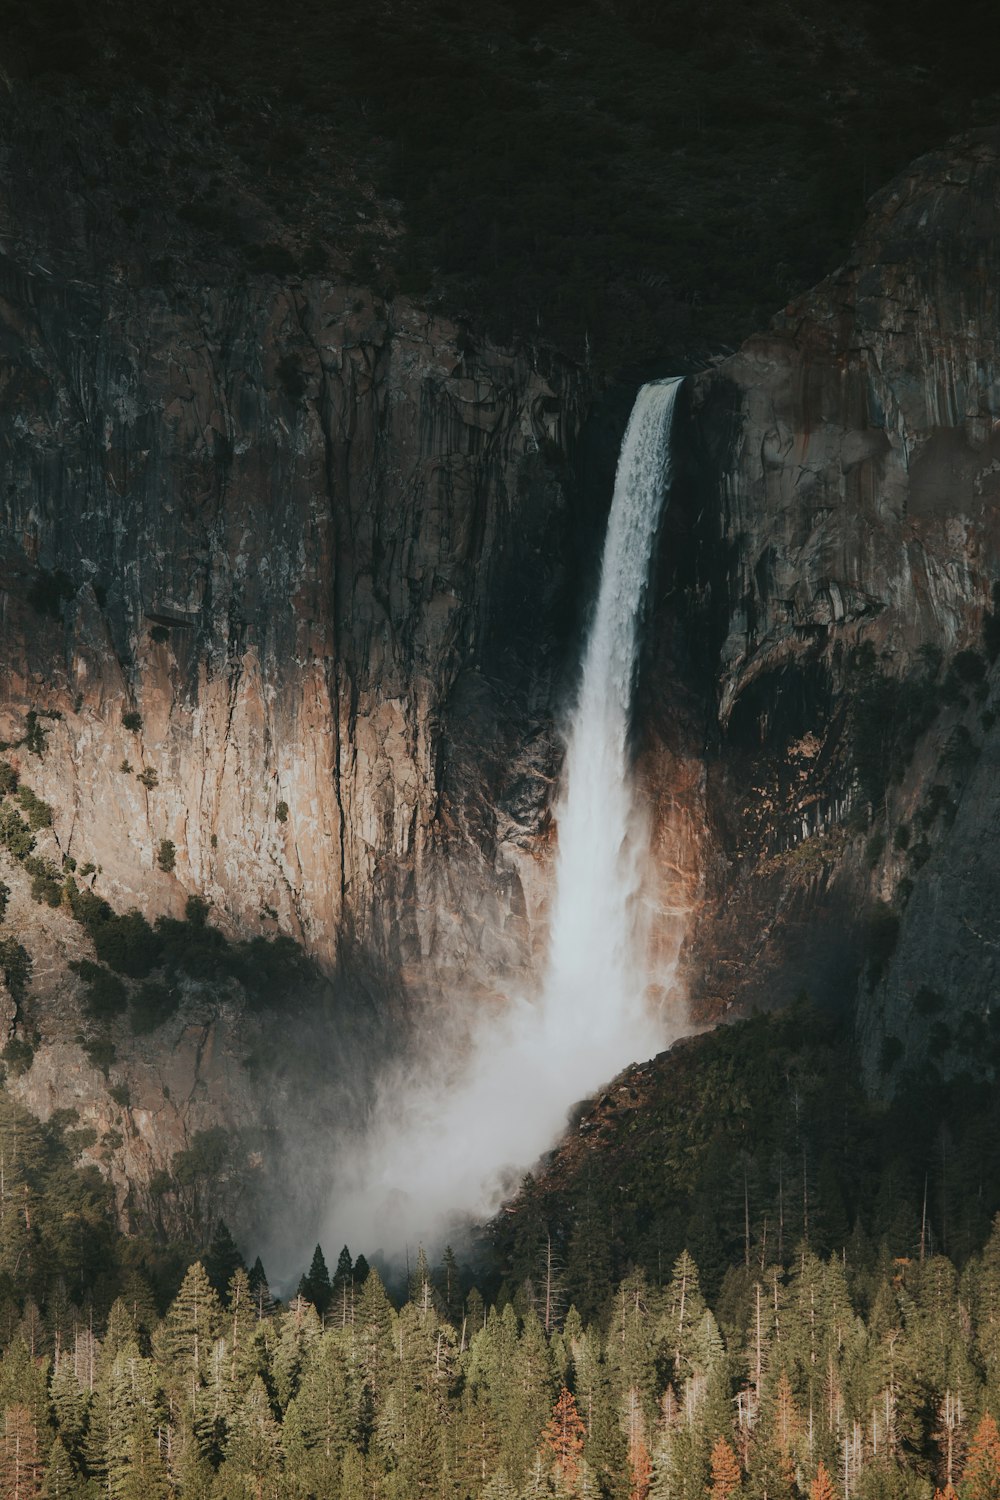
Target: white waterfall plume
[{"x": 450, "y": 1134}]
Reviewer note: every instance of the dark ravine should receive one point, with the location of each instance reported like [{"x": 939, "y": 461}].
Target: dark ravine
[{"x": 331, "y": 554}]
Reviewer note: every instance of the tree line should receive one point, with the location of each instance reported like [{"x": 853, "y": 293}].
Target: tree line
[{"x": 813, "y": 1378}]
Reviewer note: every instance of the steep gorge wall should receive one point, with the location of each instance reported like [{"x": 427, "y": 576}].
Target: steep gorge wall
[
  {"x": 280, "y": 518},
  {"x": 331, "y": 556},
  {"x": 854, "y": 450}
]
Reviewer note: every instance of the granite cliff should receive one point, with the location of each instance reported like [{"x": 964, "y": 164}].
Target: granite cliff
[
  {"x": 848, "y": 463},
  {"x": 291, "y": 580}
]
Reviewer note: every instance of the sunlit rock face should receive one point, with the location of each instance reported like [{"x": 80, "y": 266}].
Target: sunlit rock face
[
  {"x": 305, "y": 539},
  {"x": 853, "y": 453}
]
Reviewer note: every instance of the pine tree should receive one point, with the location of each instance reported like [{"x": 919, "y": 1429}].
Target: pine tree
[
  {"x": 137, "y": 1296},
  {"x": 640, "y": 1467},
  {"x": 822, "y": 1487},
  {"x": 300, "y": 1329},
  {"x": 263, "y": 1301},
  {"x": 20, "y": 1455},
  {"x": 125, "y": 1398},
  {"x": 450, "y": 1287},
  {"x": 61, "y": 1481},
  {"x": 145, "y": 1475},
  {"x": 222, "y": 1258},
  {"x": 421, "y": 1288},
  {"x": 321, "y": 1419},
  {"x": 981, "y": 1476},
  {"x": 62, "y": 1317},
  {"x": 121, "y": 1330},
  {"x": 726, "y": 1473},
  {"x": 563, "y": 1436},
  {"x": 69, "y": 1406},
  {"x": 253, "y": 1456},
  {"x": 244, "y": 1354},
  {"x": 185, "y": 1339},
  {"x": 499, "y": 1487},
  {"x": 352, "y": 1477},
  {"x": 190, "y": 1471},
  {"x": 315, "y": 1285},
  {"x": 342, "y": 1298},
  {"x": 374, "y": 1324}
]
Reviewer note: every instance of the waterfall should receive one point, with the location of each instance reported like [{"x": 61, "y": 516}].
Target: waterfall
[
  {"x": 597, "y": 952},
  {"x": 451, "y": 1134}
]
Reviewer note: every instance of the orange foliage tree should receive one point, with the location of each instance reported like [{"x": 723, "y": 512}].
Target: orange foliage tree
[
  {"x": 981, "y": 1476},
  {"x": 726, "y": 1474},
  {"x": 822, "y": 1486},
  {"x": 641, "y": 1466},
  {"x": 563, "y": 1436}
]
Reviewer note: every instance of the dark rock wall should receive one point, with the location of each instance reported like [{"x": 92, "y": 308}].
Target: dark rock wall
[{"x": 849, "y": 463}]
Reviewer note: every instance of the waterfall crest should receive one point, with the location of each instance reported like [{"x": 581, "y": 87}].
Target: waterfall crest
[{"x": 451, "y": 1134}]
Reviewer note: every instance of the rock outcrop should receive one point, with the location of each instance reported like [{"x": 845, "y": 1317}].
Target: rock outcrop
[{"x": 854, "y": 450}]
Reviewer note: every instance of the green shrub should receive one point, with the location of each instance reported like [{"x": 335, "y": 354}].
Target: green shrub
[
  {"x": 119, "y": 1092},
  {"x": 154, "y": 1003},
  {"x": 281, "y": 812},
  {"x": 290, "y": 377},
  {"x": 18, "y": 1055},
  {"x": 127, "y": 944},
  {"x": 39, "y": 812},
  {"x": 881, "y": 937},
  {"x": 160, "y": 634},
  {"x": 132, "y": 721},
  {"x": 49, "y": 593},
  {"x": 106, "y": 995},
  {"x": 271, "y": 260},
  {"x": 15, "y": 835},
  {"x": 149, "y": 778},
  {"x": 936, "y": 801},
  {"x": 8, "y": 778},
  {"x": 960, "y": 752},
  {"x": 126, "y": 767},
  {"x": 920, "y": 853},
  {"x": 166, "y": 855},
  {"x": 101, "y": 1052},
  {"x": 4, "y": 898},
  {"x": 34, "y": 735},
  {"x": 874, "y": 849},
  {"x": 939, "y": 1037},
  {"x": 46, "y": 880},
  {"x": 888, "y": 716},
  {"x": 15, "y": 964},
  {"x": 901, "y": 838},
  {"x": 969, "y": 667}
]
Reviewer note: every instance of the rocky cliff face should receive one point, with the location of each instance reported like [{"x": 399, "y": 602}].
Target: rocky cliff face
[
  {"x": 854, "y": 450},
  {"x": 254, "y": 548},
  {"x": 289, "y": 581},
  {"x": 285, "y": 588}
]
